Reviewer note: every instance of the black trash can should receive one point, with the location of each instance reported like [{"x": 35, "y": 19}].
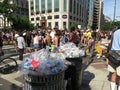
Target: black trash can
[
  {"x": 47, "y": 82},
  {"x": 73, "y": 74}
]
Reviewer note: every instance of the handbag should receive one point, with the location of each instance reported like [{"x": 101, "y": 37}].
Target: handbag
[{"x": 114, "y": 57}]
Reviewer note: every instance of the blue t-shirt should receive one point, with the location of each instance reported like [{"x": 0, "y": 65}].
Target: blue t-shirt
[{"x": 116, "y": 40}]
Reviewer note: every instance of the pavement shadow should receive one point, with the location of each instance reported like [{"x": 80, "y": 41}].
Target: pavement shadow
[
  {"x": 15, "y": 87},
  {"x": 87, "y": 77}
]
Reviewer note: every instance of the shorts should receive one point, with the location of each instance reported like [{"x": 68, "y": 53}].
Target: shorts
[
  {"x": 112, "y": 69},
  {"x": 103, "y": 46},
  {"x": 36, "y": 46}
]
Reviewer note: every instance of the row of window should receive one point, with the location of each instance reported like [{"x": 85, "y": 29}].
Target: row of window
[
  {"x": 49, "y": 17},
  {"x": 57, "y": 24},
  {"x": 49, "y": 5},
  {"x": 57, "y": 17}
]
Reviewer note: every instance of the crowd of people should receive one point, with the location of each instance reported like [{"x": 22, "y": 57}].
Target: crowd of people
[{"x": 51, "y": 39}]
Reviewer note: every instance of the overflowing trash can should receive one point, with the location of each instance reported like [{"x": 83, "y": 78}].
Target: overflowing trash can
[
  {"x": 73, "y": 74},
  {"x": 61, "y": 70},
  {"x": 48, "y": 82}
]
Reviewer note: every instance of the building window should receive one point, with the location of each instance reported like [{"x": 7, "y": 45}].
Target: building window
[
  {"x": 32, "y": 8},
  {"x": 56, "y": 5},
  {"x": 70, "y": 17},
  {"x": 74, "y": 18},
  {"x": 37, "y": 18},
  {"x": 37, "y": 12},
  {"x": 17, "y": 3},
  {"x": 77, "y": 9},
  {"x": 65, "y": 5},
  {"x": 49, "y": 24},
  {"x": 70, "y": 23},
  {"x": 43, "y": 6},
  {"x": 49, "y": 17},
  {"x": 43, "y": 18},
  {"x": 64, "y": 24},
  {"x": 37, "y": 5},
  {"x": 32, "y": 19},
  {"x": 32, "y": 13},
  {"x": 31, "y": 3},
  {"x": 70, "y": 6},
  {"x": 22, "y": 4},
  {"x": 74, "y": 6},
  {"x": 49, "y": 4},
  {"x": 56, "y": 17},
  {"x": 56, "y": 24}
]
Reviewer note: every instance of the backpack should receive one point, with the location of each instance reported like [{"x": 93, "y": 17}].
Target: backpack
[
  {"x": 76, "y": 39},
  {"x": 114, "y": 57},
  {"x": 66, "y": 38}
]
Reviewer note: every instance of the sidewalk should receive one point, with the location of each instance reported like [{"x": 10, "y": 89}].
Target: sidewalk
[{"x": 95, "y": 77}]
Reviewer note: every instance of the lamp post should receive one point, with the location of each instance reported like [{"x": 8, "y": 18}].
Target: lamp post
[{"x": 114, "y": 11}]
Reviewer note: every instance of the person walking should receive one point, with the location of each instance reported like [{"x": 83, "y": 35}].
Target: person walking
[
  {"x": 74, "y": 36},
  {"x": 21, "y": 45},
  {"x": 36, "y": 41},
  {"x": 28, "y": 40},
  {"x": 113, "y": 69}
]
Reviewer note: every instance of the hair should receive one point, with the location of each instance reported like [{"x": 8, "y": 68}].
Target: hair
[
  {"x": 118, "y": 27},
  {"x": 57, "y": 32},
  {"x": 72, "y": 29},
  {"x": 28, "y": 34},
  {"x": 20, "y": 34}
]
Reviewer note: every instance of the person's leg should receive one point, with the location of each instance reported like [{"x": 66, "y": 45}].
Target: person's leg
[
  {"x": 21, "y": 51},
  {"x": 36, "y": 47},
  {"x": 113, "y": 80},
  {"x": 118, "y": 77},
  {"x": 112, "y": 69},
  {"x": 29, "y": 49},
  {"x": 92, "y": 49},
  {"x": 118, "y": 83}
]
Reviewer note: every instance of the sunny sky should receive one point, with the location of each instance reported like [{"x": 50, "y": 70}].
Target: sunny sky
[{"x": 108, "y": 8}]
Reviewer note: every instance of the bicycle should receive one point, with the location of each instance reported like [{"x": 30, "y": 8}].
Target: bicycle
[{"x": 8, "y": 64}]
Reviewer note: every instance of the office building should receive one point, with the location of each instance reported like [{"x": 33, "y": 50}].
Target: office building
[
  {"x": 98, "y": 14},
  {"x": 58, "y": 13}
]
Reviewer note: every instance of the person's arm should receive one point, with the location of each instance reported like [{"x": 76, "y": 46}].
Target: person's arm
[
  {"x": 24, "y": 45},
  {"x": 56, "y": 41},
  {"x": 71, "y": 37},
  {"x": 105, "y": 42}
]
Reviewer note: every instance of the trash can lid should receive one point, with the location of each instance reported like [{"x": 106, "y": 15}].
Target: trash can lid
[{"x": 75, "y": 60}]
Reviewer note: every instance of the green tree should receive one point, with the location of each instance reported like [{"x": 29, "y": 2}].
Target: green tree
[
  {"x": 117, "y": 23},
  {"x": 73, "y": 25},
  {"x": 7, "y": 10},
  {"x": 22, "y": 23},
  {"x": 108, "y": 25}
]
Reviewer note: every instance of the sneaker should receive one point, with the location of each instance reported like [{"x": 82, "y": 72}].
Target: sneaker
[
  {"x": 103, "y": 56},
  {"x": 98, "y": 57}
]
